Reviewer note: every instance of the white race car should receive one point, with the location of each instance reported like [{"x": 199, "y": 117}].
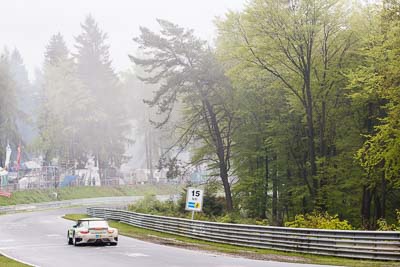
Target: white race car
[{"x": 92, "y": 231}]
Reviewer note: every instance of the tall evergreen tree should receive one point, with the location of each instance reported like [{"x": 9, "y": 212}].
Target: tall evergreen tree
[
  {"x": 64, "y": 105},
  {"x": 56, "y": 51},
  {"x": 106, "y": 133},
  {"x": 9, "y": 133},
  {"x": 25, "y": 96}
]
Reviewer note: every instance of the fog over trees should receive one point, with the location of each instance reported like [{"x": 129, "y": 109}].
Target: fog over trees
[{"x": 293, "y": 108}]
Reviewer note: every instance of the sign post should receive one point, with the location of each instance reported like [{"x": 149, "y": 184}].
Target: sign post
[{"x": 194, "y": 200}]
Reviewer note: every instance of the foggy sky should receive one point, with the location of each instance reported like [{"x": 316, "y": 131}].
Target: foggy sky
[{"x": 29, "y": 24}]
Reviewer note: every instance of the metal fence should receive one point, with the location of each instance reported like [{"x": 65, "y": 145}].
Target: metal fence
[{"x": 378, "y": 245}]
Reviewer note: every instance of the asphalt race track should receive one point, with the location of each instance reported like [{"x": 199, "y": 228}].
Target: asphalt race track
[{"x": 39, "y": 239}]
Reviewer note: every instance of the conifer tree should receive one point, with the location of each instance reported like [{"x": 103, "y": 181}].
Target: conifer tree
[
  {"x": 9, "y": 133},
  {"x": 108, "y": 126}
]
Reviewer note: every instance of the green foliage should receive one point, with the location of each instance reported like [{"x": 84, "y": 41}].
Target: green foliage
[
  {"x": 383, "y": 225},
  {"x": 318, "y": 220},
  {"x": 188, "y": 72},
  {"x": 237, "y": 218},
  {"x": 298, "y": 109},
  {"x": 64, "y": 103},
  {"x": 105, "y": 133},
  {"x": 296, "y": 138},
  {"x": 9, "y": 111},
  {"x": 76, "y": 120},
  {"x": 67, "y": 193},
  {"x": 213, "y": 206},
  {"x": 374, "y": 91},
  {"x": 151, "y": 205}
]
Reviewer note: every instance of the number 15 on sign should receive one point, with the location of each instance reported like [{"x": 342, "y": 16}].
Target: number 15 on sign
[{"x": 194, "y": 199}]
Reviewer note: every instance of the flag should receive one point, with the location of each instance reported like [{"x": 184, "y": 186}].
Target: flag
[
  {"x": 5, "y": 194},
  {"x": 18, "y": 157},
  {"x": 8, "y": 156}
]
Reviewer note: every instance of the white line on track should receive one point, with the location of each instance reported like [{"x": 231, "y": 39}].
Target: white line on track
[
  {"x": 135, "y": 255},
  {"x": 32, "y": 246},
  {"x": 21, "y": 261}
]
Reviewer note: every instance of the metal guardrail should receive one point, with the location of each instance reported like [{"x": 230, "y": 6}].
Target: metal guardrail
[{"x": 377, "y": 245}]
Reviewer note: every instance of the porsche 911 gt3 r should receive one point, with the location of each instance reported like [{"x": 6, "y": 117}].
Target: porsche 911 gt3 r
[{"x": 92, "y": 231}]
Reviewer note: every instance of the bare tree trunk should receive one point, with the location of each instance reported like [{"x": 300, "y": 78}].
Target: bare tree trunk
[
  {"x": 220, "y": 151},
  {"x": 275, "y": 194},
  {"x": 321, "y": 196},
  {"x": 227, "y": 187},
  {"x": 383, "y": 203},
  {"x": 366, "y": 208},
  {"x": 311, "y": 136},
  {"x": 367, "y": 194},
  {"x": 265, "y": 189}
]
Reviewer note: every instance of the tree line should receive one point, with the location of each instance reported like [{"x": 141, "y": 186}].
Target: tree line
[{"x": 295, "y": 109}]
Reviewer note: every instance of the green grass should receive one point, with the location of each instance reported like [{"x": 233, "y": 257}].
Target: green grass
[
  {"x": 7, "y": 262},
  {"x": 254, "y": 253},
  {"x": 68, "y": 193}
]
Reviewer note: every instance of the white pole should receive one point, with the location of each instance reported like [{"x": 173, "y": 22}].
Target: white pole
[{"x": 192, "y": 214}]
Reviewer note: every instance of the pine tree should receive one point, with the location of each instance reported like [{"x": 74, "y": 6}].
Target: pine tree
[
  {"x": 56, "y": 51},
  {"x": 64, "y": 105},
  {"x": 108, "y": 127},
  {"x": 25, "y": 97},
  {"x": 8, "y": 108}
]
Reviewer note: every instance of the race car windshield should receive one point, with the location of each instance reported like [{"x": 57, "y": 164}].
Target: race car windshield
[
  {"x": 83, "y": 224},
  {"x": 97, "y": 224}
]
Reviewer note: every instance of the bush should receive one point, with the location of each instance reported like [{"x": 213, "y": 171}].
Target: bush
[
  {"x": 384, "y": 226},
  {"x": 318, "y": 220},
  {"x": 151, "y": 205},
  {"x": 213, "y": 206},
  {"x": 237, "y": 218}
]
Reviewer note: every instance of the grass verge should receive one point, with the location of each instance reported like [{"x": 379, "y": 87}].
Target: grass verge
[
  {"x": 7, "y": 262},
  {"x": 68, "y": 193},
  {"x": 251, "y": 253}
]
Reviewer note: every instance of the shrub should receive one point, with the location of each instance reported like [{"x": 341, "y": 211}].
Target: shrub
[
  {"x": 384, "y": 226},
  {"x": 318, "y": 220},
  {"x": 151, "y": 205},
  {"x": 237, "y": 218},
  {"x": 213, "y": 206}
]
